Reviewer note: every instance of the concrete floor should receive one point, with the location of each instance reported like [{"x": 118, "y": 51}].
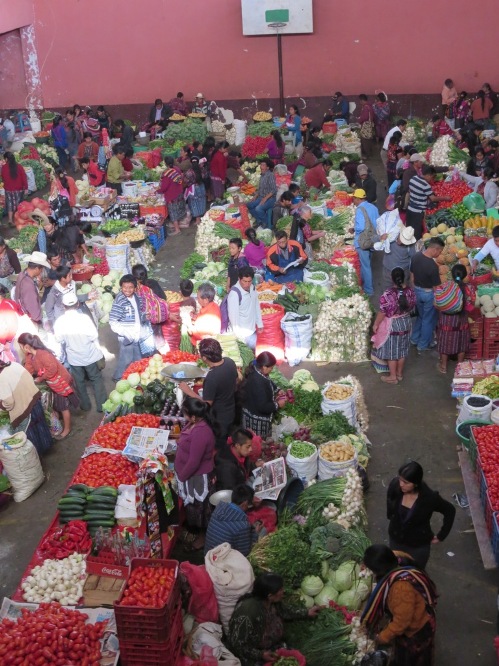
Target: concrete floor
[{"x": 414, "y": 420}]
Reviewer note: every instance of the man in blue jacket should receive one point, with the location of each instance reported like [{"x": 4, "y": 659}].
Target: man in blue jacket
[
  {"x": 365, "y": 211},
  {"x": 229, "y": 523}
]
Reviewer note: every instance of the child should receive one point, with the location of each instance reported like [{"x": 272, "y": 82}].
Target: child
[{"x": 186, "y": 289}]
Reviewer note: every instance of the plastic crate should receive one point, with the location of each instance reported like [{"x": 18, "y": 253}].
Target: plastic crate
[
  {"x": 473, "y": 450},
  {"x": 148, "y": 625},
  {"x": 490, "y": 348},
  {"x": 153, "y": 210},
  {"x": 483, "y": 488},
  {"x": 157, "y": 238},
  {"x": 495, "y": 536},
  {"x": 476, "y": 328},
  {"x": 489, "y": 513},
  {"x": 491, "y": 328},
  {"x": 134, "y": 653},
  {"x": 475, "y": 351}
]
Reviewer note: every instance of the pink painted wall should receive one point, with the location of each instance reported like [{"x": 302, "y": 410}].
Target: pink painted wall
[
  {"x": 117, "y": 53},
  {"x": 13, "y": 90},
  {"x": 15, "y": 14}
]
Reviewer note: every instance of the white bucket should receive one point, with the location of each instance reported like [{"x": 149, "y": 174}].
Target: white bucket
[
  {"x": 470, "y": 411},
  {"x": 130, "y": 189},
  {"x": 494, "y": 417}
]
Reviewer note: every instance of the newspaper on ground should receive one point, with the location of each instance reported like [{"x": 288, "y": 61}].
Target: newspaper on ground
[
  {"x": 142, "y": 442},
  {"x": 109, "y": 643},
  {"x": 270, "y": 479}
]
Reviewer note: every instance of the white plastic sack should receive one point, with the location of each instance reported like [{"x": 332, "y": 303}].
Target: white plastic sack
[
  {"x": 287, "y": 426},
  {"x": 117, "y": 257},
  {"x": 240, "y": 127},
  {"x": 30, "y": 176},
  {"x": 231, "y": 575},
  {"x": 209, "y": 633},
  {"x": 22, "y": 466},
  {"x": 303, "y": 468},
  {"x": 347, "y": 407},
  {"x": 297, "y": 337},
  {"x": 308, "y": 277},
  {"x": 330, "y": 470}
]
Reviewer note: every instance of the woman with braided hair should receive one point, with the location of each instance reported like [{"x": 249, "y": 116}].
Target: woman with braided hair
[
  {"x": 453, "y": 332},
  {"x": 392, "y": 326}
]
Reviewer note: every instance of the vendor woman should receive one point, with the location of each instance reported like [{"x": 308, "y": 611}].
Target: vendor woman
[
  {"x": 256, "y": 628},
  {"x": 491, "y": 247},
  {"x": 280, "y": 255}
]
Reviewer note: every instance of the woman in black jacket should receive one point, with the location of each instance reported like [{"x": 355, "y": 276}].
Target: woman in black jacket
[
  {"x": 232, "y": 463},
  {"x": 259, "y": 397},
  {"x": 410, "y": 506}
]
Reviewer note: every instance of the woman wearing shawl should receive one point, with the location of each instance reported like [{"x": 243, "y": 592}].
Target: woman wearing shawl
[
  {"x": 218, "y": 169},
  {"x": 392, "y": 326},
  {"x": 172, "y": 188},
  {"x": 408, "y": 596}
]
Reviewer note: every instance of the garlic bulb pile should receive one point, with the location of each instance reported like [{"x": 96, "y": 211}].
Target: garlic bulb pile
[{"x": 56, "y": 580}]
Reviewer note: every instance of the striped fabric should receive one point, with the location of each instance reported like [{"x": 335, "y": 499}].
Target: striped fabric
[
  {"x": 229, "y": 524},
  {"x": 419, "y": 191}
]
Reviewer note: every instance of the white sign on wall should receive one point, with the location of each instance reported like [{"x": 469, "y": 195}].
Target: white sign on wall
[{"x": 296, "y": 14}]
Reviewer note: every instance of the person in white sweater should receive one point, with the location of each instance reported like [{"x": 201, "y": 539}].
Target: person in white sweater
[{"x": 243, "y": 306}]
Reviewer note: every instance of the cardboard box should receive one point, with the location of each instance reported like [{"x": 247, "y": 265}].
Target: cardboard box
[{"x": 102, "y": 590}]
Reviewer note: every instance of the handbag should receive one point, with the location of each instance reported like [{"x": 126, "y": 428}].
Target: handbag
[
  {"x": 367, "y": 238},
  {"x": 448, "y": 298}
]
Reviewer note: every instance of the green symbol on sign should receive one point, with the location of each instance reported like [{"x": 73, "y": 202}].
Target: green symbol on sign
[{"x": 277, "y": 16}]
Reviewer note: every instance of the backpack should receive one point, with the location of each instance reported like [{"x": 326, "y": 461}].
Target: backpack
[
  {"x": 224, "y": 309},
  {"x": 448, "y": 298},
  {"x": 366, "y": 238}
]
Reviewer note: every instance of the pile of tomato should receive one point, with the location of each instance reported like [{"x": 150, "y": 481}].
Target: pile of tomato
[
  {"x": 456, "y": 191},
  {"x": 51, "y": 636},
  {"x": 487, "y": 439},
  {"x": 106, "y": 469},
  {"x": 114, "y": 435},
  {"x": 149, "y": 587},
  {"x": 172, "y": 357}
]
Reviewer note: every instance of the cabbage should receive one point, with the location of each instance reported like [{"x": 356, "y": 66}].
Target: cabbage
[
  {"x": 133, "y": 379},
  {"x": 108, "y": 406},
  {"x": 310, "y": 385},
  {"x": 344, "y": 576},
  {"x": 311, "y": 585},
  {"x": 128, "y": 396},
  {"x": 122, "y": 385},
  {"x": 96, "y": 280},
  {"x": 351, "y": 599},
  {"x": 116, "y": 397},
  {"x": 300, "y": 377},
  {"x": 107, "y": 297},
  {"x": 362, "y": 589},
  {"x": 114, "y": 275},
  {"x": 105, "y": 318},
  {"x": 307, "y": 601},
  {"x": 327, "y": 594},
  {"x": 85, "y": 288}
]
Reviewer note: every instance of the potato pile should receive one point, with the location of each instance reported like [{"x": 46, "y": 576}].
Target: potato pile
[
  {"x": 338, "y": 391},
  {"x": 337, "y": 452}
]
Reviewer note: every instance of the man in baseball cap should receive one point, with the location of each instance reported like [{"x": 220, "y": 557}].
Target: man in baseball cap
[
  {"x": 200, "y": 106},
  {"x": 76, "y": 330},
  {"x": 27, "y": 284},
  {"x": 365, "y": 217},
  {"x": 365, "y": 181}
]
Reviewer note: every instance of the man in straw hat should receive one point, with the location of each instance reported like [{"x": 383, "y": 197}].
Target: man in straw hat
[
  {"x": 402, "y": 249},
  {"x": 26, "y": 293}
]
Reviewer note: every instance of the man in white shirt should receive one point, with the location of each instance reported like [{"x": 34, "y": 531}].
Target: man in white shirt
[
  {"x": 491, "y": 247},
  {"x": 399, "y": 127},
  {"x": 243, "y": 306},
  {"x": 76, "y": 332},
  {"x": 8, "y": 133}
]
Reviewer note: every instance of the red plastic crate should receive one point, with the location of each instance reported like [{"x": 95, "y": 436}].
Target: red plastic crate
[
  {"x": 475, "y": 351},
  {"x": 476, "y": 328},
  {"x": 134, "y": 653},
  {"x": 146, "y": 625},
  {"x": 491, "y": 328},
  {"x": 153, "y": 210},
  {"x": 490, "y": 348}
]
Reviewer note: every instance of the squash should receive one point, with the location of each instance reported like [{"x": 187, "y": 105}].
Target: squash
[{"x": 464, "y": 261}]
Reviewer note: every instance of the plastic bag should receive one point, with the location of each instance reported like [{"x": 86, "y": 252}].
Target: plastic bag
[
  {"x": 297, "y": 337},
  {"x": 271, "y": 338},
  {"x": 203, "y": 602},
  {"x": 330, "y": 470},
  {"x": 22, "y": 466},
  {"x": 347, "y": 406}
]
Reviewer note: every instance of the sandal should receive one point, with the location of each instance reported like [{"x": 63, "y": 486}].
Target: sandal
[
  {"x": 186, "y": 537},
  {"x": 59, "y": 438},
  {"x": 399, "y": 378},
  {"x": 441, "y": 369},
  {"x": 191, "y": 548},
  {"x": 174, "y": 233},
  {"x": 387, "y": 380}
]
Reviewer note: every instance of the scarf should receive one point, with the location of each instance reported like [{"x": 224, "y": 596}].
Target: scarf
[
  {"x": 376, "y": 605},
  {"x": 175, "y": 175}
]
